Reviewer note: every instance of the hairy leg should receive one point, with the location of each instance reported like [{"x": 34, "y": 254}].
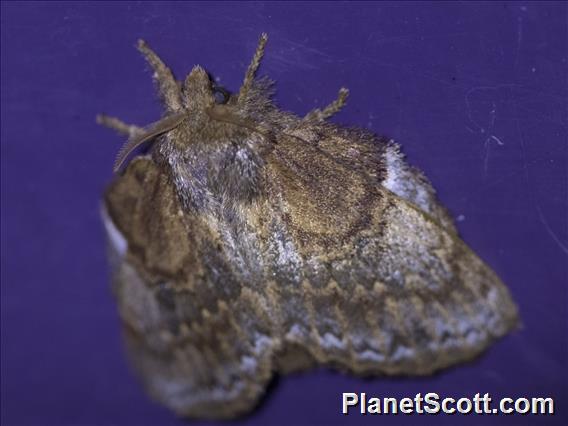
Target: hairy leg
[
  {"x": 333, "y": 108},
  {"x": 168, "y": 87},
  {"x": 251, "y": 71},
  {"x": 120, "y": 126}
]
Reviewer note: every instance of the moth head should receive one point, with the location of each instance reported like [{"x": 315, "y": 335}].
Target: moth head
[
  {"x": 195, "y": 101},
  {"x": 200, "y": 92}
]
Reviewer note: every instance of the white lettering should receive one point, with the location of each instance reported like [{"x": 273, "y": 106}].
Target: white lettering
[{"x": 349, "y": 399}]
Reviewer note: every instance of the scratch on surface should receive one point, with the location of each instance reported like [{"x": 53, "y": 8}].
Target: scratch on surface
[
  {"x": 558, "y": 241},
  {"x": 496, "y": 139},
  {"x": 400, "y": 108},
  {"x": 303, "y": 56},
  {"x": 486, "y": 158},
  {"x": 522, "y": 144},
  {"x": 541, "y": 217},
  {"x": 519, "y": 39},
  {"x": 482, "y": 130}
]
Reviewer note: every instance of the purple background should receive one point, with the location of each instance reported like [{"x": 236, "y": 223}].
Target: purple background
[{"x": 475, "y": 93}]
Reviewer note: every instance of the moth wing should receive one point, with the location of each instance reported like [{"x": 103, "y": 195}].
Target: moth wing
[
  {"x": 324, "y": 181},
  {"x": 411, "y": 185},
  {"x": 339, "y": 165},
  {"x": 375, "y": 281},
  {"x": 409, "y": 298},
  {"x": 201, "y": 345}
]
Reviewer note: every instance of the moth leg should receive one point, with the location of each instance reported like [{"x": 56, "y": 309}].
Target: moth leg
[
  {"x": 119, "y": 126},
  {"x": 168, "y": 87},
  {"x": 251, "y": 71},
  {"x": 333, "y": 108}
]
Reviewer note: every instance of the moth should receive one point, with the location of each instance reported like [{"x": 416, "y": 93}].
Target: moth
[{"x": 248, "y": 242}]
